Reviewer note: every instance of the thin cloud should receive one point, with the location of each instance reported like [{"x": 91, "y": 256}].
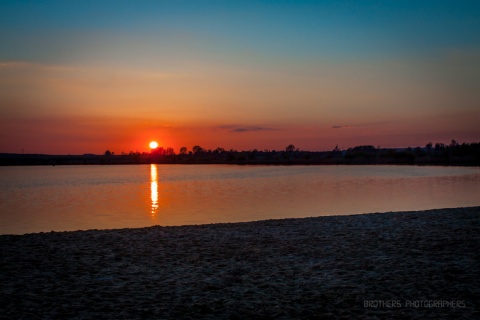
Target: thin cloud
[
  {"x": 364, "y": 124},
  {"x": 250, "y": 129},
  {"x": 235, "y": 128},
  {"x": 13, "y": 64},
  {"x": 33, "y": 65}
]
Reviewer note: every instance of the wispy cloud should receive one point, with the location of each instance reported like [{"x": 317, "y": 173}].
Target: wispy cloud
[
  {"x": 364, "y": 124},
  {"x": 12, "y": 64},
  {"x": 36, "y": 66},
  {"x": 239, "y": 128},
  {"x": 245, "y": 129}
]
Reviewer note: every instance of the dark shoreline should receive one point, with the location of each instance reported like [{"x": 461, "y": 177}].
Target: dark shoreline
[
  {"x": 359, "y": 266},
  {"x": 454, "y": 154}
]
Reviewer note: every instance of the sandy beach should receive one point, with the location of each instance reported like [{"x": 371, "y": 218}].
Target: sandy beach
[{"x": 418, "y": 265}]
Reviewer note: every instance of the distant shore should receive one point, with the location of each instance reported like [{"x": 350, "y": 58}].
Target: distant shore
[
  {"x": 465, "y": 154},
  {"x": 421, "y": 265}
]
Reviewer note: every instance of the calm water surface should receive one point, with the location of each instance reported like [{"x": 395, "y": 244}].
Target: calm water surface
[{"x": 60, "y": 198}]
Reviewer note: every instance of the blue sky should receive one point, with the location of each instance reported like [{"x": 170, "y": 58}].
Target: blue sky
[{"x": 46, "y": 31}]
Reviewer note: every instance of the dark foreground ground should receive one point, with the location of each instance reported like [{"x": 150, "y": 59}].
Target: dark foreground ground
[{"x": 391, "y": 265}]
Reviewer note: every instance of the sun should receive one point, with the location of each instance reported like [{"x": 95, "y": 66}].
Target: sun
[{"x": 153, "y": 144}]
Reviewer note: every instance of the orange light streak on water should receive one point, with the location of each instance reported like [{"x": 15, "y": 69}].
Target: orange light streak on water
[{"x": 154, "y": 190}]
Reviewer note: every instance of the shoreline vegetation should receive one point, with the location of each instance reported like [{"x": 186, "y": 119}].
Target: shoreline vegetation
[
  {"x": 416, "y": 265},
  {"x": 465, "y": 154}
]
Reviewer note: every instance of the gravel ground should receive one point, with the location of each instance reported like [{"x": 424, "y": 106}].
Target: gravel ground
[{"x": 422, "y": 265}]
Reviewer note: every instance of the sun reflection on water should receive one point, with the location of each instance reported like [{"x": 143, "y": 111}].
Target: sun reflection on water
[{"x": 154, "y": 189}]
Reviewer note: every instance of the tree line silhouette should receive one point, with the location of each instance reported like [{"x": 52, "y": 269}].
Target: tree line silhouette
[{"x": 438, "y": 154}]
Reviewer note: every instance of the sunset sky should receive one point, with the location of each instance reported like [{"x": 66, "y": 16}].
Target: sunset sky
[{"x": 86, "y": 76}]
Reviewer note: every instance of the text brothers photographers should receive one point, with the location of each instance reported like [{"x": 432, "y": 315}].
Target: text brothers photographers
[{"x": 414, "y": 304}]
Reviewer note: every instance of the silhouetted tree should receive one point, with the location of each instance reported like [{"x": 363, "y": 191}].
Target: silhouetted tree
[
  {"x": 290, "y": 148},
  {"x": 183, "y": 150},
  {"x": 367, "y": 148},
  {"x": 108, "y": 153},
  {"x": 197, "y": 149},
  {"x": 439, "y": 146},
  {"x": 158, "y": 151},
  {"x": 453, "y": 144}
]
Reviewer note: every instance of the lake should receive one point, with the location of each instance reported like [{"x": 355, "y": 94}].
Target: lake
[{"x": 64, "y": 198}]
